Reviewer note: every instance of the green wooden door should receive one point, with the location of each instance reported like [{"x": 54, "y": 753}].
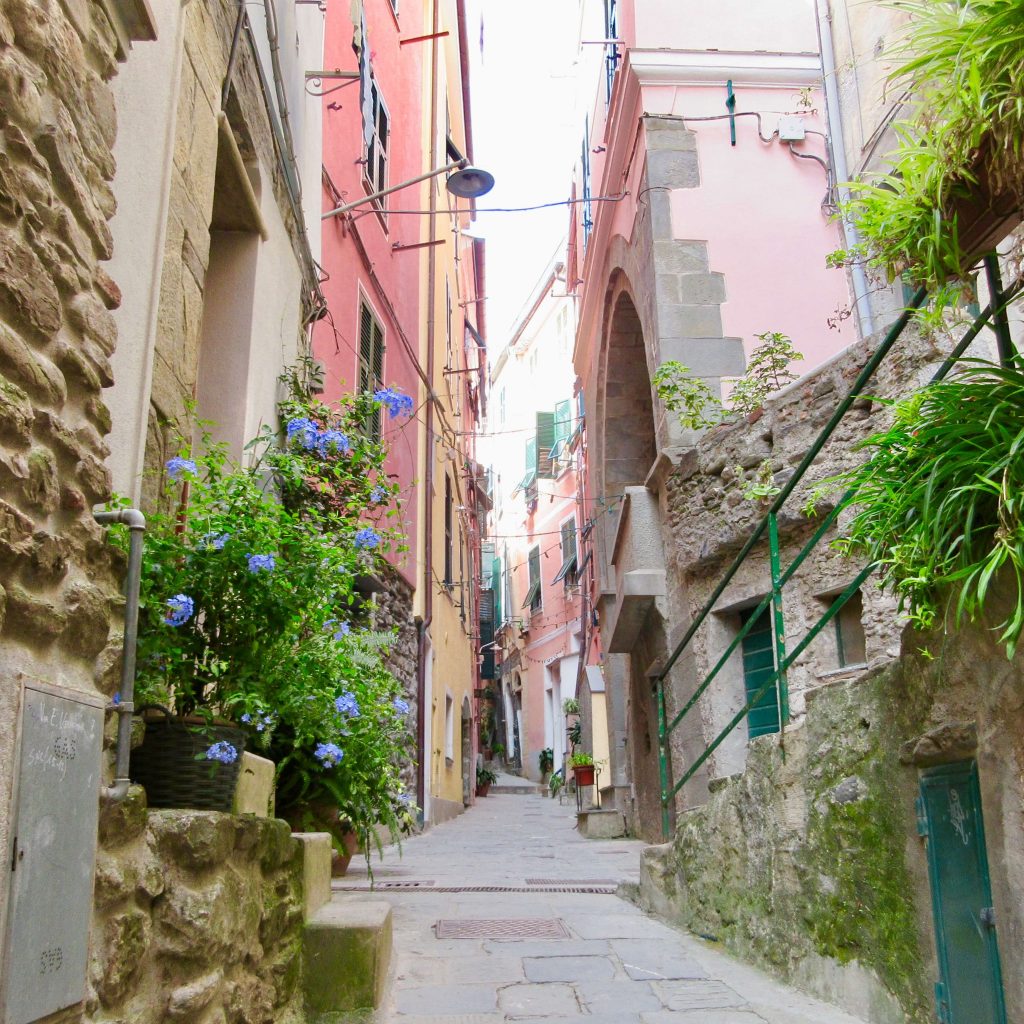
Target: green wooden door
[{"x": 970, "y": 989}]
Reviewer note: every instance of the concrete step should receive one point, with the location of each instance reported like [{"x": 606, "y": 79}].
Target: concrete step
[
  {"x": 347, "y": 953},
  {"x": 523, "y": 789},
  {"x": 598, "y": 823}
]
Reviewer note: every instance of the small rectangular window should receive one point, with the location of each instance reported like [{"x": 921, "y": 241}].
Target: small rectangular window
[
  {"x": 850, "y": 646},
  {"x": 568, "y": 572},
  {"x": 449, "y": 728},
  {"x": 371, "y": 363},
  {"x": 376, "y": 128},
  {"x": 534, "y": 598},
  {"x": 758, "y": 668}
]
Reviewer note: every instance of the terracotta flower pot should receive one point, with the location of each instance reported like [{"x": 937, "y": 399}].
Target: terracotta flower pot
[
  {"x": 584, "y": 774},
  {"x": 484, "y": 789},
  {"x": 341, "y": 861}
]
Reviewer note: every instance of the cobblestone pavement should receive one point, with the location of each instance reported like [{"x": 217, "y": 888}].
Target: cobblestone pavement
[{"x": 614, "y": 965}]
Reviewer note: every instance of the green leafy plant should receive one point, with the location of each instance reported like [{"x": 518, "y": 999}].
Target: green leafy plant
[
  {"x": 964, "y": 65},
  {"x": 546, "y": 760},
  {"x": 570, "y": 706},
  {"x": 555, "y": 783},
  {"x": 485, "y": 777},
  {"x": 575, "y": 733},
  {"x": 249, "y": 612},
  {"x": 938, "y": 503},
  {"x": 762, "y": 487},
  {"x": 698, "y": 407},
  {"x": 580, "y": 759}
]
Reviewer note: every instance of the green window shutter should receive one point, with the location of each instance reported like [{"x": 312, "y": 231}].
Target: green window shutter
[
  {"x": 568, "y": 572},
  {"x": 487, "y": 581},
  {"x": 371, "y": 363},
  {"x": 533, "y": 595},
  {"x": 531, "y": 455},
  {"x": 487, "y": 633},
  {"x": 497, "y": 585},
  {"x": 545, "y": 442},
  {"x": 563, "y": 421},
  {"x": 758, "y": 667}
]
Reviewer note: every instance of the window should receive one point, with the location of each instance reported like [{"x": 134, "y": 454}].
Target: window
[
  {"x": 758, "y": 667},
  {"x": 562, "y": 430},
  {"x": 502, "y": 406},
  {"x": 611, "y": 31},
  {"x": 534, "y": 599},
  {"x": 588, "y": 221},
  {"x": 568, "y": 572},
  {"x": 498, "y": 585},
  {"x": 376, "y": 125},
  {"x": 371, "y": 363},
  {"x": 448, "y": 546},
  {"x": 850, "y": 648},
  {"x": 545, "y": 443},
  {"x": 449, "y": 728},
  {"x": 530, "y": 476}
]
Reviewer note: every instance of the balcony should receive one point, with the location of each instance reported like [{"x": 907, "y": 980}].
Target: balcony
[{"x": 638, "y": 559}]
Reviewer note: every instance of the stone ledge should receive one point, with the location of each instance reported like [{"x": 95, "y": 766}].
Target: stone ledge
[
  {"x": 601, "y": 824},
  {"x": 316, "y": 870},
  {"x": 347, "y": 953}
]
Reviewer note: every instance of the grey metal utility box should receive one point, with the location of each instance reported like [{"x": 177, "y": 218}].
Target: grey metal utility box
[{"x": 54, "y": 852}]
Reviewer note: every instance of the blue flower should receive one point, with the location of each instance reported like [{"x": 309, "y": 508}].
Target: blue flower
[
  {"x": 328, "y": 754},
  {"x": 216, "y": 541},
  {"x": 117, "y": 698},
  {"x": 407, "y": 799},
  {"x": 367, "y": 537},
  {"x": 397, "y": 404},
  {"x": 223, "y": 752},
  {"x": 304, "y": 431},
  {"x": 258, "y": 562},
  {"x": 378, "y": 495},
  {"x": 347, "y": 704},
  {"x": 179, "y": 610},
  {"x": 178, "y": 467},
  {"x": 401, "y": 706},
  {"x": 333, "y": 439},
  {"x": 343, "y": 630},
  {"x": 247, "y": 718}
]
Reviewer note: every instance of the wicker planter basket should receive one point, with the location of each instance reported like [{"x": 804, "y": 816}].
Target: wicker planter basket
[{"x": 173, "y": 774}]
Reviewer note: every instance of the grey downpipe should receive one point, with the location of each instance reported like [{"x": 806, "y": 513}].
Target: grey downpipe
[
  {"x": 136, "y": 523},
  {"x": 837, "y": 145}
]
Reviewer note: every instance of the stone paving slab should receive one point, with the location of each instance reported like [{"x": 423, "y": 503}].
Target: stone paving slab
[{"x": 620, "y": 966}]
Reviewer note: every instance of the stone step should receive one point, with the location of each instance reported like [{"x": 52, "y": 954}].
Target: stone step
[
  {"x": 347, "y": 954},
  {"x": 524, "y": 789},
  {"x": 599, "y": 823}
]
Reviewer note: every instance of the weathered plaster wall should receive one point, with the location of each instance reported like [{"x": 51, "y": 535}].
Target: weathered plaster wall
[{"x": 199, "y": 918}]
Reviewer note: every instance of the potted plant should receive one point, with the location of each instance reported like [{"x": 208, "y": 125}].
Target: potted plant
[
  {"x": 555, "y": 784},
  {"x": 485, "y": 778},
  {"x": 956, "y": 185},
  {"x": 582, "y": 765},
  {"x": 570, "y": 706},
  {"x": 498, "y": 751},
  {"x": 249, "y": 616},
  {"x": 546, "y": 762}
]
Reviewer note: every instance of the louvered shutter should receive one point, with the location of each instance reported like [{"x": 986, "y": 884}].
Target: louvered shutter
[
  {"x": 497, "y": 585},
  {"x": 487, "y": 633},
  {"x": 545, "y": 442}
]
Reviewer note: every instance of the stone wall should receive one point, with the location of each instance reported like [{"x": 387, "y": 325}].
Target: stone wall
[
  {"x": 808, "y": 862},
  {"x": 199, "y": 918},
  {"x": 60, "y": 578}
]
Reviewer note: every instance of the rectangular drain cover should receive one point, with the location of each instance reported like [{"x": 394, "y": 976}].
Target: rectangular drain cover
[
  {"x": 502, "y": 928},
  {"x": 404, "y": 884},
  {"x": 572, "y": 881}
]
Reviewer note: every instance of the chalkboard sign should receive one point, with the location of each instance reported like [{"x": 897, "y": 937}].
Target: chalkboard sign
[{"x": 54, "y": 852}]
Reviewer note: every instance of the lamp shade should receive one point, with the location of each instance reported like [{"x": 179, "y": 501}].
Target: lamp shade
[{"x": 470, "y": 183}]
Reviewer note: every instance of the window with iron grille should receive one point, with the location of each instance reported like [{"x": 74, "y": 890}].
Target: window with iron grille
[
  {"x": 588, "y": 213},
  {"x": 611, "y": 31},
  {"x": 377, "y": 124},
  {"x": 371, "y": 363}
]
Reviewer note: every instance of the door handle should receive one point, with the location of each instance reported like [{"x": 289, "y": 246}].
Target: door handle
[{"x": 987, "y": 915}]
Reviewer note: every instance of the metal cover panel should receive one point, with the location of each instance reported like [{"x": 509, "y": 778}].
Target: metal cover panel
[
  {"x": 502, "y": 928},
  {"x": 54, "y": 855}
]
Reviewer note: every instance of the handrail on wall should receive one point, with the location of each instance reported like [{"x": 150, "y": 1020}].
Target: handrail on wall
[{"x": 1000, "y": 299}]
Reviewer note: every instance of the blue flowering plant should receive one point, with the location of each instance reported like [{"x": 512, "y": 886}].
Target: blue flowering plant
[{"x": 250, "y": 612}]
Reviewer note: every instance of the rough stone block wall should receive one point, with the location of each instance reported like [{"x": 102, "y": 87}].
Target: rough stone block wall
[
  {"x": 811, "y": 865},
  {"x": 60, "y": 580},
  {"x": 199, "y": 918}
]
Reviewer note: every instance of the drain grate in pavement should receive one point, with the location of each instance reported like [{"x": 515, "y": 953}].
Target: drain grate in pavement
[
  {"x": 572, "y": 881},
  {"x": 590, "y": 890},
  {"x": 502, "y": 928},
  {"x": 405, "y": 884}
]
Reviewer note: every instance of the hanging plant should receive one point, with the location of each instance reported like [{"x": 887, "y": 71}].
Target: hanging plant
[
  {"x": 939, "y": 504},
  {"x": 956, "y": 184}
]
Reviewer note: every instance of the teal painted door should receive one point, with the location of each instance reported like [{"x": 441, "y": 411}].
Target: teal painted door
[
  {"x": 758, "y": 666},
  {"x": 970, "y": 989}
]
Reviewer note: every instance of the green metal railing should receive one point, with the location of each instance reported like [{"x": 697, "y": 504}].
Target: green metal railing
[{"x": 995, "y": 312}]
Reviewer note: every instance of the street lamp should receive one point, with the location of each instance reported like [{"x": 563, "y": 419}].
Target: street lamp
[{"x": 466, "y": 182}]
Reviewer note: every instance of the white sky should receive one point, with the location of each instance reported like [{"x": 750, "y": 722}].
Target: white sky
[{"x": 527, "y": 133}]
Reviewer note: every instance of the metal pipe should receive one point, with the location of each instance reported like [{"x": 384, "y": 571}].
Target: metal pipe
[
  {"x": 455, "y": 166},
  {"x": 837, "y": 146},
  {"x": 125, "y": 708},
  {"x": 1004, "y": 341}
]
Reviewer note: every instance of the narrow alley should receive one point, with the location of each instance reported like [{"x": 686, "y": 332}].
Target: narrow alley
[{"x": 547, "y": 937}]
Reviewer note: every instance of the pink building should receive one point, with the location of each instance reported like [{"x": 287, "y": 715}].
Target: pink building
[
  {"x": 704, "y": 218},
  {"x": 532, "y": 446}
]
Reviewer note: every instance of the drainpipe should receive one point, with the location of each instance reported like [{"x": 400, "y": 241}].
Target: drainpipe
[
  {"x": 428, "y": 477},
  {"x": 136, "y": 523},
  {"x": 837, "y": 149}
]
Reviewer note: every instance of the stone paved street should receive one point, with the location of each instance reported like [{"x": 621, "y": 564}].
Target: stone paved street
[{"x": 615, "y": 965}]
